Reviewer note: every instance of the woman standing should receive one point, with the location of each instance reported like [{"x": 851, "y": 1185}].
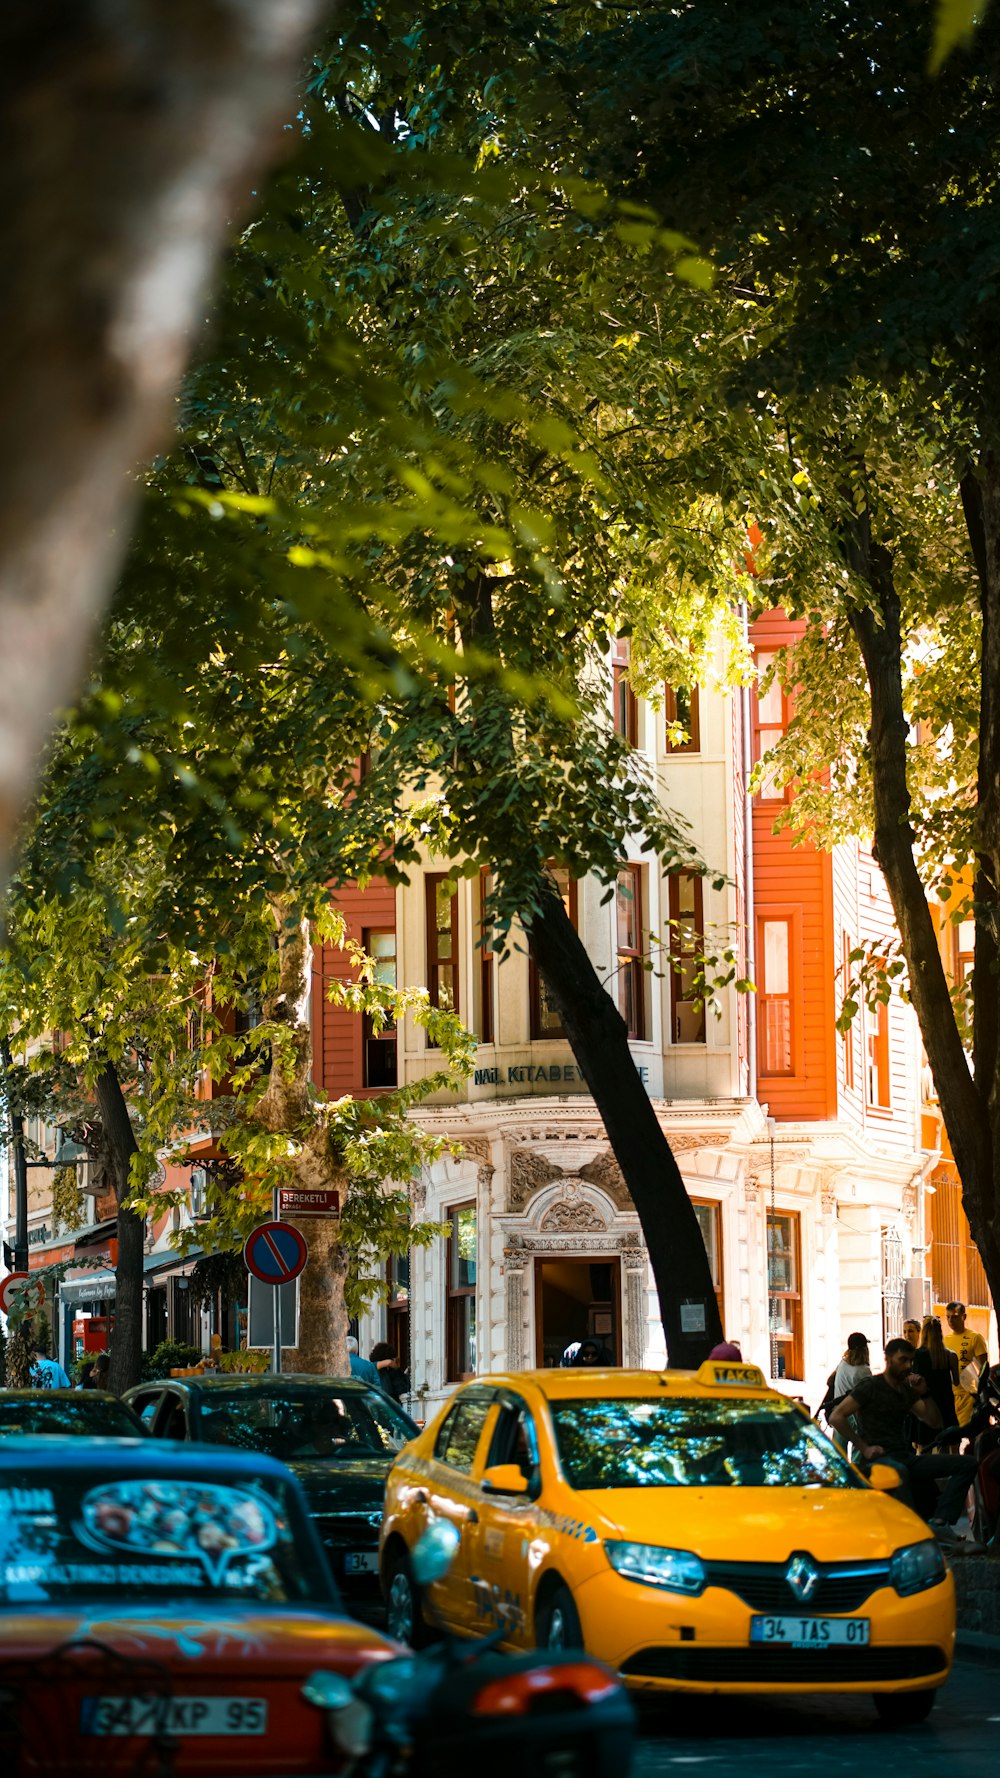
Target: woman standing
[
  {"x": 391, "y": 1374},
  {"x": 853, "y": 1367},
  {"x": 939, "y": 1369}
]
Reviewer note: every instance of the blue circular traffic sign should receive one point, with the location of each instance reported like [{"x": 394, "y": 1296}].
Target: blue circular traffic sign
[{"x": 275, "y": 1252}]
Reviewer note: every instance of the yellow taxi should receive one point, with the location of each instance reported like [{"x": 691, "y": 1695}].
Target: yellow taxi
[{"x": 694, "y": 1530}]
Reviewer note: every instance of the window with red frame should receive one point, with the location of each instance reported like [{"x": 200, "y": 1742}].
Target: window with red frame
[
  {"x": 626, "y": 704},
  {"x": 545, "y": 1017},
  {"x": 680, "y": 704},
  {"x": 878, "y": 1087},
  {"x": 442, "y": 942},
  {"x": 687, "y": 946},
  {"x": 487, "y": 964},
  {"x": 631, "y": 977},
  {"x": 380, "y": 1063},
  {"x": 775, "y": 1047},
  {"x": 770, "y": 720}
]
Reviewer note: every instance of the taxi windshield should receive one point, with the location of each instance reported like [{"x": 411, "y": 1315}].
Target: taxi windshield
[
  {"x": 673, "y": 1441},
  {"x": 298, "y": 1423},
  {"x": 90, "y": 1535}
]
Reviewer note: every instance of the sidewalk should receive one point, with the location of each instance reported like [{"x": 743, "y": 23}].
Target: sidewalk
[{"x": 977, "y": 1586}]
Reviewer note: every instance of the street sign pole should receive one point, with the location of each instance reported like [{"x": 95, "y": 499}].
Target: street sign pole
[{"x": 276, "y": 1356}]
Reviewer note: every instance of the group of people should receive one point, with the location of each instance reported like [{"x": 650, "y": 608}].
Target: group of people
[
  {"x": 927, "y": 1389},
  {"x": 381, "y": 1369}
]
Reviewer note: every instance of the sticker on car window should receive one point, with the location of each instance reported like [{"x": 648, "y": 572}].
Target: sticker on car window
[{"x": 204, "y": 1522}]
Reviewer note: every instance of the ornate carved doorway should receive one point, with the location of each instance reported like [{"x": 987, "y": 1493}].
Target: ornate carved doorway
[{"x": 577, "y": 1299}]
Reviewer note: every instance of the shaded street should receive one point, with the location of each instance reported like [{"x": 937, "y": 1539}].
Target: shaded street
[{"x": 743, "y": 1736}]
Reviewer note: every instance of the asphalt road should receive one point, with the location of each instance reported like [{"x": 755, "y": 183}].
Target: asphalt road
[{"x": 736, "y": 1738}]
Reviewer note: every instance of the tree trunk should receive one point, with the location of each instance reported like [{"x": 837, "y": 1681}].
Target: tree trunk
[
  {"x": 126, "y": 1345},
  {"x": 599, "y": 1040},
  {"x": 288, "y": 1108},
  {"x": 131, "y": 134},
  {"x": 970, "y": 1120}
]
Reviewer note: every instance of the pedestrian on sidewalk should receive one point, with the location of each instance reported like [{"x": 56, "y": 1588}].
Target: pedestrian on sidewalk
[
  {"x": 362, "y": 1368},
  {"x": 853, "y": 1368},
  {"x": 391, "y": 1374},
  {"x": 970, "y": 1350},
  {"x": 881, "y": 1407},
  {"x": 939, "y": 1369},
  {"x": 45, "y": 1372}
]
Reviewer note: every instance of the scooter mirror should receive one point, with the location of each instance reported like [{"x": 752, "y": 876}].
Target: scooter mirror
[
  {"x": 434, "y": 1552},
  {"x": 328, "y": 1691}
]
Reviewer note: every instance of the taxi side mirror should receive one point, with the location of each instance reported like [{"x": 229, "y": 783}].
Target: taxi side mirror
[
  {"x": 504, "y": 1478},
  {"x": 883, "y": 1477}
]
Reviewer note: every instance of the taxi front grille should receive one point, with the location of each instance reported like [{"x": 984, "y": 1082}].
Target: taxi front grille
[
  {"x": 782, "y": 1666},
  {"x": 764, "y": 1586}
]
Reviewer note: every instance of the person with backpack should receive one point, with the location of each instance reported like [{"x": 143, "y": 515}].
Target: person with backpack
[{"x": 853, "y": 1368}]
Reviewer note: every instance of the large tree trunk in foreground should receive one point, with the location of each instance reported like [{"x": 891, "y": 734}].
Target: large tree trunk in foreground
[
  {"x": 970, "y": 1107},
  {"x": 131, "y": 134},
  {"x": 126, "y": 1343},
  {"x": 287, "y": 1108},
  {"x": 599, "y": 1039}
]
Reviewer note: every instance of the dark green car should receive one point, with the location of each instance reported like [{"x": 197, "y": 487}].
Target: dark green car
[
  {"x": 61, "y": 1413},
  {"x": 338, "y": 1435}
]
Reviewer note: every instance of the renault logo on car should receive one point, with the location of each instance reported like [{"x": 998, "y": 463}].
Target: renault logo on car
[{"x": 803, "y": 1577}]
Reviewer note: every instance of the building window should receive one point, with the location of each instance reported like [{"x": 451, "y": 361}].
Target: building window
[
  {"x": 631, "y": 974},
  {"x": 460, "y": 1340},
  {"x": 845, "y": 992},
  {"x": 687, "y": 947},
  {"x": 784, "y": 1291},
  {"x": 626, "y": 704},
  {"x": 546, "y": 1020},
  {"x": 487, "y": 964},
  {"x": 877, "y": 1084},
  {"x": 680, "y": 703},
  {"x": 397, "y": 1308},
  {"x": 774, "y": 996},
  {"x": 964, "y": 951},
  {"x": 442, "y": 942},
  {"x": 710, "y": 1224},
  {"x": 770, "y": 723},
  {"x": 380, "y": 1068}
]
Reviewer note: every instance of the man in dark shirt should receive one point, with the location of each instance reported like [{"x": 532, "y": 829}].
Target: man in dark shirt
[{"x": 881, "y": 1406}]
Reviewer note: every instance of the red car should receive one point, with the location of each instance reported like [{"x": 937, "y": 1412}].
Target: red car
[{"x": 161, "y": 1610}]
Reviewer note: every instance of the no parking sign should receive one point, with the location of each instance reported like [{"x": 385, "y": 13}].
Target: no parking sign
[
  {"x": 275, "y": 1252},
  {"x": 19, "y": 1290}
]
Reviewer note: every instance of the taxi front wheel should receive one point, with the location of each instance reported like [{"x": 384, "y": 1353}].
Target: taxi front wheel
[
  {"x": 558, "y": 1623},
  {"x": 403, "y": 1614},
  {"x": 901, "y": 1708}
]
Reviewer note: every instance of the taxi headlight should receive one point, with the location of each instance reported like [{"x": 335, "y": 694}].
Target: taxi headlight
[
  {"x": 678, "y": 1571},
  {"x": 917, "y": 1567}
]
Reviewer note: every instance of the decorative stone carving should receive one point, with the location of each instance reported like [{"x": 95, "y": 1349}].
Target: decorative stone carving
[
  {"x": 909, "y": 1199},
  {"x": 529, "y": 1172},
  {"x": 567, "y": 1216},
  {"x": 484, "y": 1177},
  {"x": 418, "y": 1195},
  {"x": 680, "y": 1144},
  {"x": 476, "y": 1148},
  {"x": 604, "y": 1171},
  {"x": 828, "y": 1202}
]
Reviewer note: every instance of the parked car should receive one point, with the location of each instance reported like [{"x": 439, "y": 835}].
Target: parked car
[
  {"x": 696, "y": 1532},
  {"x": 152, "y": 1596},
  {"x": 337, "y": 1435},
  {"x": 87, "y": 1413}
]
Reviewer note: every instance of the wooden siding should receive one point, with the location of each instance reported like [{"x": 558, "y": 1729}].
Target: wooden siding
[
  {"x": 797, "y": 882},
  {"x": 337, "y": 1034}
]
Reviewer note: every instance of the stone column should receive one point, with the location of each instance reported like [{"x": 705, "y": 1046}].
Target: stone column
[
  {"x": 634, "y": 1308},
  {"x": 515, "y": 1262}
]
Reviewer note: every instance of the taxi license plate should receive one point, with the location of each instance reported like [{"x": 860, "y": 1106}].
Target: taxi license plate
[
  {"x": 361, "y": 1562},
  {"x": 811, "y": 1632},
  {"x": 173, "y": 1716}
]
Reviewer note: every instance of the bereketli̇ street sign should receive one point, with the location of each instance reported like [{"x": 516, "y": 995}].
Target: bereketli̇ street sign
[
  {"x": 321, "y": 1202},
  {"x": 275, "y": 1253}
]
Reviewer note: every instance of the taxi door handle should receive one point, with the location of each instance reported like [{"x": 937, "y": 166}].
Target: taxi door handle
[
  {"x": 473, "y": 1518},
  {"x": 421, "y": 1497}
]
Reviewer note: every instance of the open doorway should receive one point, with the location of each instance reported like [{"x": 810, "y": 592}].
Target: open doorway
[{"x": 577, "y": 1299}]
